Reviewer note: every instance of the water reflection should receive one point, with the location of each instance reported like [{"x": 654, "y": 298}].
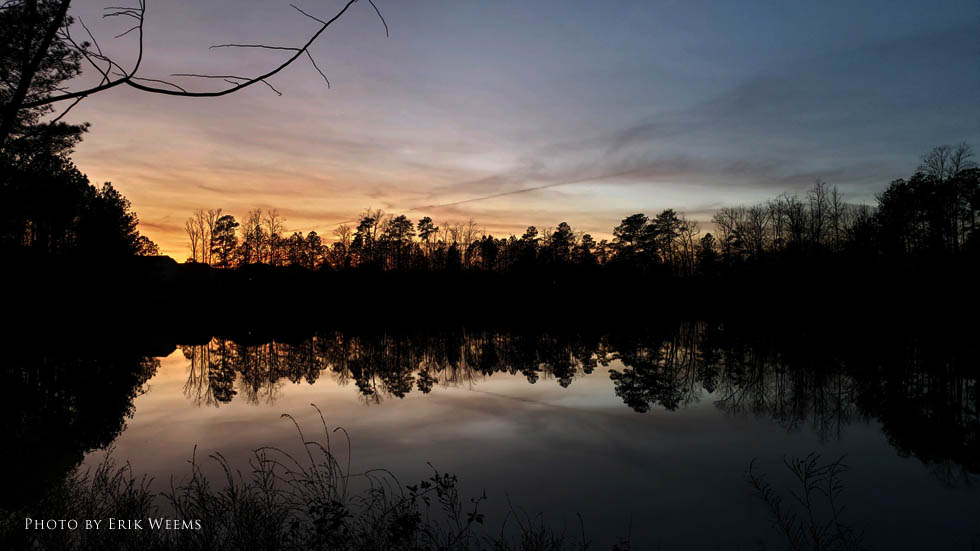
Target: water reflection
[
  {"x": 66, "y": 400},
  {"x": 923, "y": 390},
  {"x": 383, "y": 365},
  {"x": 657, "y": 410},
  {"x": 60, "y": 404}
]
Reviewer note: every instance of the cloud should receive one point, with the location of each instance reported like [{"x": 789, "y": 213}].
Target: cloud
[{"x": 836, "y": 117}]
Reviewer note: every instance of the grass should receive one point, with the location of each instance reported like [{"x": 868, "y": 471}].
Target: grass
[
  {"x": 306, "y": 501},
  {"x": 313, "y": 501},
  {"x": 812, "y": 519}
]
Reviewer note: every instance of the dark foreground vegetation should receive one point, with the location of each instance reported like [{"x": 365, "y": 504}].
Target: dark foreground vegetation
[{"x": 303, "y": 502}]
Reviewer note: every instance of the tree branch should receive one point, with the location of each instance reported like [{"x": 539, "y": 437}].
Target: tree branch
[
  {"x": 254, "y": 46},
  {"x": 231, "y": 79},
  {"x": 167, "y": 82},
  {"x": 65, "y": 112},
  {"x": 315, "y": 66},
  {"x": 383, "y": 22},
  {"x": 130, "y": 79}
]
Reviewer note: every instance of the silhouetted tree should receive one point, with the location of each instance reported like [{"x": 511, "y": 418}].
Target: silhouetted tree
[
  {"x": 585, "y": 251},
  {"x": 363, "y": 243},
  {"x": 527, "y": 253},
  {"x": 454, "y": 258},
  {"x": 275, "y": 243},
  {"x": 35, "y": 64},
  {"x": 488, "y": 252},
  {"x": 295, "y": 249},
  {"x": 200, "y": 231},
  {"x": 628, "y": 236},
  {"x": 664, "y": 232},
  {"x": 224, "y": 241},
  {"x": 426, "y": 232},
  {"x": 313, "y": 251},
  {"x": 396, "y": 239},
  {"x": 558, "y": 246},
  {"x": 254, "y": 240},
  {"x": 50, "y": 208},
  {"x": 945, "y": 161},
  {"x": 707, "y": 256}
]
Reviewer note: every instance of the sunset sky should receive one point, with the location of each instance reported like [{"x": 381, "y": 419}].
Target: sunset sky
[{"x": 607, "y": 108}]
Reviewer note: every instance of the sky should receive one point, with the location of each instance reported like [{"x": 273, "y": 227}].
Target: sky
[{"x": 517, "y": 113}]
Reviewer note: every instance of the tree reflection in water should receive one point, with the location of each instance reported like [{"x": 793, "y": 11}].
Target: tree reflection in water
[
  {"x": 923, "y": 389},
  {"x": 59, "y": 405}
]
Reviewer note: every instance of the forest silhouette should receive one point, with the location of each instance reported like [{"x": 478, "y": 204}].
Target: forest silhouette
[
  {"x": 934, "y": 212},
  {"x": 917, "y": 249}
]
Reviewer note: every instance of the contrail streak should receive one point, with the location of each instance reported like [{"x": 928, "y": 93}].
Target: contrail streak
[
  {"x": 500, "y": 194},
  {"x": 523, "y": 190}
]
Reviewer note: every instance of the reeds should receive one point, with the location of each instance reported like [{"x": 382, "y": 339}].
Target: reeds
[
  {"x": 812, "y": 519},
  {"x": 283, "y": 501}
]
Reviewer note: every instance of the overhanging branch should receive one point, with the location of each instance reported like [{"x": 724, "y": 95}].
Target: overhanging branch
[{"x": 114, "y": 75}]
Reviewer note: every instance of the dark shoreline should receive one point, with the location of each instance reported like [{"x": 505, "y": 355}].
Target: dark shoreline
[{"x": 157, "y": 300}]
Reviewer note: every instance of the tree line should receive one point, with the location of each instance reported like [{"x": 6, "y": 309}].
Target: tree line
[
  {"x": 935, "y": 211},
  {"x": 48, "y": 207}
]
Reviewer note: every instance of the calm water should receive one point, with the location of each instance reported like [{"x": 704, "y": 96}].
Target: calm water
[{"x": 648, "y": 432}]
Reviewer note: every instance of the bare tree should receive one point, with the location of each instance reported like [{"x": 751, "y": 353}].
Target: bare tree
[
  {"x": 455, "y": 232},
  {"x": 471, "y": 233},
  {"x": 274, "y": 227},
  {"x": 200, "y": 231},
  {"x": 946, "y": 161},
  {"x": 253, "y": 243},
  {"x": 378, "y": 218},
  {"x": 340, "y": 251},
  {"x": 193, "y": 234},
  {"x": 819, "y": 205},
  {"x": 445, "y": 233},
  {"x": 777, "y": 222},
  {"x": 688, "y": 238},
  {"x": 796, "y": 218},
  {"x": 838, "y": 211},
  {"x": 273, "y": 222},
  {"x": 53, "y": 25},
  {"x": 757, "y": 228},
  {"x": 961, "y": 159},
  {"x": 730, "y": 224},
  {"x": 343, "y": 235},
  {"x": 203, "y": 222}
]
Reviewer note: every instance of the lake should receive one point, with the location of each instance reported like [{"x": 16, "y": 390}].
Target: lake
[{"x": 645, "y": 432}]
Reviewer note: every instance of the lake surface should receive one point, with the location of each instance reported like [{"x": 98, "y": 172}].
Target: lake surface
[{"x": 642, "y": 432}]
